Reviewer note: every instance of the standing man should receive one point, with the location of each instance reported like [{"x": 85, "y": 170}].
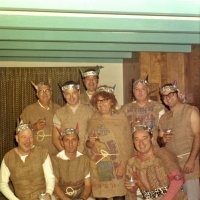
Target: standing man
[
  {"x": 184, "y": 139},
  {"x": 153, "y": 170},
  {"x": 143, "y": 110},
  {"x": 71, "y": 169},
  {"x": 28, "y": 167},
  {"x": 90, "y": 79},
  {"x": 71, "y": 115},
  {"x": 40, "y": 116}
]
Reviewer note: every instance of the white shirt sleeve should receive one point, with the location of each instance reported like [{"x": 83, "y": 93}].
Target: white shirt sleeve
[
  {"x": 162, "y": 112},
  {"x": 4, "y": 180},
  {"x": 56, "y": 121},
  {"x": 49, "y": 176}
]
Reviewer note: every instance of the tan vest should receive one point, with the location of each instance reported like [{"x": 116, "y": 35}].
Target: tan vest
[
  {"x": 147, "y": 115},
  {"x": 115, "y": 141},
  {"x": 68, "y": 119},
  {"x": 42, "y": 138},
  {"x": 27, "y": 177},
  {"x": 84, "y": 99},
  {"x": 71, "y": 174},
  {"x": 182, "y": 140},
  {"x": 153, "y": 173}
]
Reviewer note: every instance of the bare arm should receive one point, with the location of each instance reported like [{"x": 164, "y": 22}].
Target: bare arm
[
  {"x": 195, "y": 125},
  {"x": 56, "y": 139},
  {"x": 87, "y": 189},
  {"x": 58, "y": 191}
]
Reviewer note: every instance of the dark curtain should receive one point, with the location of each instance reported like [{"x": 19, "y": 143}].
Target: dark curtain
[{"x": 17, "y": 92}]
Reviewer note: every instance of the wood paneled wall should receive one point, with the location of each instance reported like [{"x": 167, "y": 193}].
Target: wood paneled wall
[
  {"x": 161, "y": 68},
  {"x": 184, "y": 68}
]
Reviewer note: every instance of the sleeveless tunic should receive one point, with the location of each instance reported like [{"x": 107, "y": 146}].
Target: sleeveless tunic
[
  {"x": 42, "y": 138},
  {"x": 114, "y": 146},
  {"x": 27, "y": 177},
  {"x": 182, "y": 140}
]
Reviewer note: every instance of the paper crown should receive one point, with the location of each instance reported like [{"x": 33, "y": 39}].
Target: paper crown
[
  {"x": 23, "y": 126},
  {"x": 166, "y": 89},
  {"x": 142, "y": 81},
  {"x": 91, "y": 72},
  {"x": 105, "y": 88},
  {"x": 70, "y": 86},
  {"x": 142, "y": 127},
  {"x": 40, "y": 84},
  {"x": 69, "y": 131}
]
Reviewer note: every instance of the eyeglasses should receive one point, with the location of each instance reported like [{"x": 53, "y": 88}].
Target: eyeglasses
[
  {"x": 171, "y": 94},
  {"x": 47, "y": 91},
  {"x": 102, "y": 100}
]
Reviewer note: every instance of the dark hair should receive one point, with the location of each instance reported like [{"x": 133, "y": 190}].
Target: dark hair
[
  {"x": 103, "y": 94},
  {"x": 70, "y": 83}
]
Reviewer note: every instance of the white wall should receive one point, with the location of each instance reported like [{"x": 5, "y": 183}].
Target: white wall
[{"x": 111, "y": 74}]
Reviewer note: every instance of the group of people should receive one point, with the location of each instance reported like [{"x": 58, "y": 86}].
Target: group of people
[{"x": 88, "y": 149}]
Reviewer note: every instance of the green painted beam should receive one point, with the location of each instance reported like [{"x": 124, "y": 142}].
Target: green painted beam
[
  {"x": 156, "y": 7},
  {"x": 64, "y": 54},
  {"x": 44, "y": 59},
  {"x": 69, "y": 46},
  {"x": 101, "y": 23},
  {"x": 111, "y": 37}
]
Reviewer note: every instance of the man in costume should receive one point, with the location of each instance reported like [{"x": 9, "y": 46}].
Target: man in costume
[
  {"x": 180, "y": 132},
  {"x": 109, "y": 146},
  {"x": 155, "y": 171},
  {"x": 71, "y": 169},
  {"x": 90, "y": 79},
  {"x": 72, "y": 114},
  {"x": 40, "y": 115},
  {"x": 28, "y": 167},
  {"x": 143, "y": 110}
]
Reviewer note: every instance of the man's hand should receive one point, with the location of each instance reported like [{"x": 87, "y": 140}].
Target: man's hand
[
  {"x": 120, "y": 170},
  {"x": 189, "y": 166},
  {"x": 39, "y": 125}
]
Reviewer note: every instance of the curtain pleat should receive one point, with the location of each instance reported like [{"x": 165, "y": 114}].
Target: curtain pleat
[{"x": 17, "y": 92}]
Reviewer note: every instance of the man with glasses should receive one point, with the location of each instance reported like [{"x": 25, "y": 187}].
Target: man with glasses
[
  {"x": 40, "y": 116},
  {"x": 180, "y": 133}
]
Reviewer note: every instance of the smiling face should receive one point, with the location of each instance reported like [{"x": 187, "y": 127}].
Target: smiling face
[
  {"x": 25, "y": 141},
  {"x": 104, "y": 105},
  {"x": 91, "y": 83},
  {"x": 143, "y": 142},
  {"x": 44, "y": 94},
  {"x": 170, "y": 99},
  {"x": 72, "y": 96},
  {"x": 70, "y": 143},
  {"x": 140, "y": 92}
]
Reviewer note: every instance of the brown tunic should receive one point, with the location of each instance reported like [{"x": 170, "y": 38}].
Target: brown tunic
[
  {"x": 84, "y": 99},
  {"x": 113, "y": 147},
  {"x": 147, "y": 115},
  {"x": 43, "y": 138},
  {"x": 27, "y": 177},
  {"x": 182, "y": 140},
  {"x": 68, "y": 119},
  {"x": 71, "y": 174},
  {"x": 153, "y": 173}
]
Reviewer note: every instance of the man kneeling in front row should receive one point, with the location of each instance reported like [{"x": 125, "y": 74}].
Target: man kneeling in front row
[{"x": 71, "y": 169}]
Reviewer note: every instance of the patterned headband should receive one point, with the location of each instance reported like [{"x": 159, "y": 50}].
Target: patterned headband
[
  {"x": 69, "y": 131},
  {"x": 105, "y": 88},
  {"x": 70, "y": 87},
  {"x": 142, "y": 81},
  {"x": 90, "y": 73},
  {"x": 168, "y": 88},
  {"x": 22, "y": 127}
]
